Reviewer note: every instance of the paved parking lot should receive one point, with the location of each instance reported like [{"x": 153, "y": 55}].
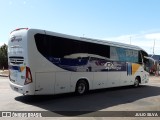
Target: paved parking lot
[{"x": 144, "y": 98}]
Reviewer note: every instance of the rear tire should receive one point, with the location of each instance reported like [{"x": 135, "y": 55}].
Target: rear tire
[
  {"x": 81, "y": 87},
  {"x": 136, "y": 82}
]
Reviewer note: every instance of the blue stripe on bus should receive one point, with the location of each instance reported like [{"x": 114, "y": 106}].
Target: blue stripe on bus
[
  {"x": 129, "y": 68},
  {"x": 87, "y": 64},
  {"x": 15, "y": 68}
]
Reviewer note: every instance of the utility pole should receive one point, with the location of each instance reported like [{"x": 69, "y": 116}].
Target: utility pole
[
  {"x": 130, "y": 40},
  {"x": 153, "y": 46}
]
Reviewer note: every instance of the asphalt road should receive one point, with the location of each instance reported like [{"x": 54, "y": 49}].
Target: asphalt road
[{"x": 144, "y": 98}]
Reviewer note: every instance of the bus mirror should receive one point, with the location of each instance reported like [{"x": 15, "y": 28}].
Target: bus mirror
[{"x": 150, "y": 59}]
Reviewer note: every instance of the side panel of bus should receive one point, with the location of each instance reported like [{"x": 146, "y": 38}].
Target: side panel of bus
[
  {"x": 55, "y": 73},
  {"x": 48, "y": 78},
  {"x": 44, "y": 83}
]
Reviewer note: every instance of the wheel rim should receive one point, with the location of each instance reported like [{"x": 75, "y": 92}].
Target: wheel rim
[{"x": 81, "y": 88}]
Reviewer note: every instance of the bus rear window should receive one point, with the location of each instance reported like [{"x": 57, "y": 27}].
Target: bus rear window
[{"x": 15, "y": 50}]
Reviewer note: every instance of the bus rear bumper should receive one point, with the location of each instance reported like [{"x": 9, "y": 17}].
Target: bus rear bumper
[{"x": 20, "y": 89}]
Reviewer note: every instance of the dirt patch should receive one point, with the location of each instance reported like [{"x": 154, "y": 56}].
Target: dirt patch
[{"x": 5, "y": 72}]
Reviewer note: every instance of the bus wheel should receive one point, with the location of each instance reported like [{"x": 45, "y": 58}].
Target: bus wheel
[
  {"x": 136, "y": 82},
  {"x": 81, "y": 87}
]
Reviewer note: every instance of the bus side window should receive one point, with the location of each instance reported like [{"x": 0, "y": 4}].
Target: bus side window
[{"x": 140, "y": 61}]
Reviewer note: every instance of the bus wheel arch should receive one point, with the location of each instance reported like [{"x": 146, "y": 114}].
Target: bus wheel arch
[
  {"x": 137, "y": 81},
  {"x": 82, "y": 86}
]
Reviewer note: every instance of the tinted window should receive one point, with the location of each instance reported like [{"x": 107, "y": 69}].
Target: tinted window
[{"x": 59, "y": 47}]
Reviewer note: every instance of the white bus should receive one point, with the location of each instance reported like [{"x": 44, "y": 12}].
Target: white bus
[{"x": 43, "y": 62}]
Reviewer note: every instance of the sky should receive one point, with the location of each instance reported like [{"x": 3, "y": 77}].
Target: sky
[{"x": 135, "y": 22}]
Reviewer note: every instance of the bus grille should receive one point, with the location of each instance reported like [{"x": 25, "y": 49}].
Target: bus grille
[{"x": 16, "y": 60}]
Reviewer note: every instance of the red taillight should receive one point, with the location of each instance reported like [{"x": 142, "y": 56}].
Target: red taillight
[{"x": 28, "y": 76}]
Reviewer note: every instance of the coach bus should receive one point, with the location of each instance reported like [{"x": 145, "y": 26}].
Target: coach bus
[{"x": 43, "y": 62}]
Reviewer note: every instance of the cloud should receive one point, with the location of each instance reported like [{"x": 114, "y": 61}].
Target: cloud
[
  {"x": 145, "y": 41},
  {"x": 153, "y": 36}
]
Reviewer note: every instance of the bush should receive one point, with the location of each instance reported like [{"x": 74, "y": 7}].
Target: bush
[{"x": 3, "y": 57}]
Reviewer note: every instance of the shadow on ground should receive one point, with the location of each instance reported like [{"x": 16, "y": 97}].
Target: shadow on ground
[{"x": 73, "y": 105}]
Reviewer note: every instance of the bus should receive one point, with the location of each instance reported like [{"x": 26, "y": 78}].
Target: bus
[{"x": 43, "y": 62}]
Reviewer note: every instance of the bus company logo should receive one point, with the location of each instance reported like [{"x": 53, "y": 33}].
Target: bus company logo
[
  {"x": 16, "y": 38},
  {"x": 21, "y": 114},
  {"x": 6, "y": 114}
]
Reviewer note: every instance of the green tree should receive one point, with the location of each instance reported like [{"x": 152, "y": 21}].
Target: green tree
[{"x": 3, "y": 57}]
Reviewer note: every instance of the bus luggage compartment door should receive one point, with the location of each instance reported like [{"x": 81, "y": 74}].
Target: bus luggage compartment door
[
  {"x": 62, "y": 84},
  {"x": 45, "y": 83}
]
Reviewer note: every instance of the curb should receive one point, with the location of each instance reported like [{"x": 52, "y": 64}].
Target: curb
[{"x": 1, "y": 75}]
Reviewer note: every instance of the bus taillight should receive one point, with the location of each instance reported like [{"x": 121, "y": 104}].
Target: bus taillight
[{"x": 28, "y": 76}]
